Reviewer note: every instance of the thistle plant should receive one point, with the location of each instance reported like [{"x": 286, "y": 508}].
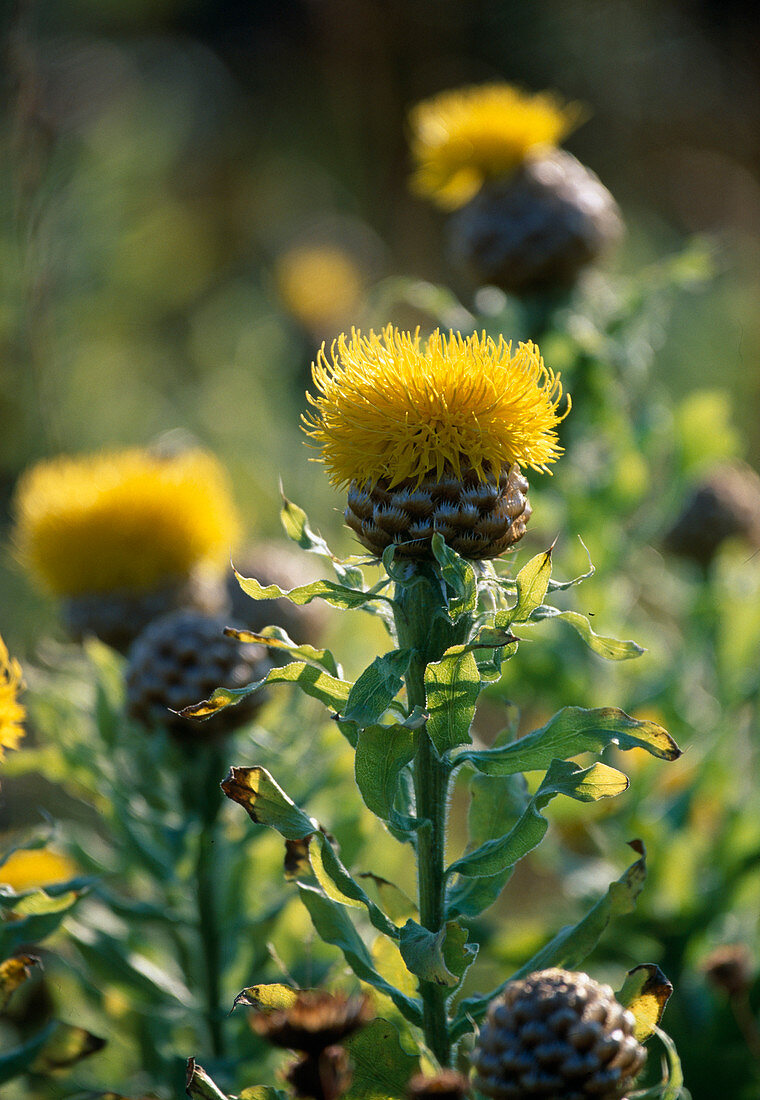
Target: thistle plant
[{"x": 430, "y": 439}]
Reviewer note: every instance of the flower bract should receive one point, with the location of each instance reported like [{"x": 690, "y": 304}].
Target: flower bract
[
  {"x": 12, "y": 713},
  {"x": 461, "y": 138},
  {"x": 392, "y": 406},
  {"x": 128, "y": 519}
]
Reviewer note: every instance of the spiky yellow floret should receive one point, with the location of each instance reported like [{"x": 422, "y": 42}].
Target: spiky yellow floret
[
  {"x": 29, "y": 868},
  {"x": 129, "y": 519},
  {"x": 12, "y": 713},
  {"x": 390, "y": 406},
  {"x": 461, "y": 138}
]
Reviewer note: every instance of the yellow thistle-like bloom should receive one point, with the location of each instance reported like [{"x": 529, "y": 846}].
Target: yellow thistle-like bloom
[
  {"x": 123, "y": 520},
  {"x": 12, "y": 713},
  {"x": 28, "y": 869},
  {"x": 318, "y": 284},
  {"x": 395, "y": 408},
  {"x": 462, "y": 138}
]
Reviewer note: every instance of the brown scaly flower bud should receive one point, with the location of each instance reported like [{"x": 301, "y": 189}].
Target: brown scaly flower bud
[
  {"x": 724, "y": 505},
  {"x": 447, "y": 1084},
  {"x": 316, "y": 1020},
  {"x": 557, "y": 1034},
  {"x": 478, "y": 519},
  {"x": 536, "y": 230},
  {"x": 179, "y": 660},
  {"x": 729, "y": 968}
]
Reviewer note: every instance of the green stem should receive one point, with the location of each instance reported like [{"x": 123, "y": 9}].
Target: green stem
[{"x": 423, "y": 625}]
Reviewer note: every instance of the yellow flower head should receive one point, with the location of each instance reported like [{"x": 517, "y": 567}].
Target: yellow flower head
[
  {"x": 12, "y": 713},
  {"x": 390, "y": 406},
  {"x": 318, "y": 283},
  {"x": 30, "y": 868},
  {"x": 460, "y": 139},
  {"x": 126, "y": 519}
]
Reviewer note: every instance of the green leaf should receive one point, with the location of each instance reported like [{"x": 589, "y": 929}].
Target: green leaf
[
  {"x": 66, "y": 1046},
  {"x": 312, "y": 681},
  {"x": 459, "y": 577},
  {"x": 382, "y": 752},
  {"x": 263, "y": 1092},
  {"x": 392, "y": 898},
  {"x": 612, "y": 649},
  {"x": 382, "y": 1068},
  {"x": 563, "y": 777},
  {"x": 571, "y": 945},
  {"x": 296, "y": 525},
  {"x": 199, "y": 1084},
  {"x": 532, "y": 582},
  {"x": 333, "y": 925},
  {"x": 561, "y": 586},
  {"x": 337, "y": 883},
  {"x": 376, "y": 688},
  {"x": 452, "y": 686},
  {"x": 440, "y": 957},
  {"x": 13, "y": 973},
  {"x": 673, "y": 1085},
  {"x": 571, "y": 731},
  {"x": 337, "y": 595},
  {"x": 266, "y": 803},
  {"x": 274, "y": 637},
  {"x": 34, "y": 916},
  {"x": 17, "y": 1061},
  {"x": 645, "y": 993}
]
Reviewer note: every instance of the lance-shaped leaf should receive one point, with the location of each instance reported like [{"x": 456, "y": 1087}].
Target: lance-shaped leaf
[
  {"x": 274, "y": 637},
  {"x": 532, "y": 582},
  {"x": 13, "y": 973},
  {"x": 266, "y": 997},
  {"x": 296, "y": 525},
  {"x": 459, "y": 577},
  {"x": 391, "y": 897},
  {"x": 376, "y": 688},
  {"x": 66, "y": 1046},
  {"x": 612, "y": 649},
  {"x": 645, "y": 993},
  {"x": 561, "y": 586},
  {"x": 440, "y": 957},
  {"x": 337, "y": 595},
  {"x": 381, "y": 1066},
  {"x": 19, "y": 1059},
  {"x": 199, "y": 1085},
  {"x": 311, "y": 680},
  {"x": 263, "y": 1092},
  {"x": 266, "y": 803},
  {"x": 571, "y": 945},
  {"x": 571, "y": 731},
  {"x": 337, "y": 883},
  {"x": 334, "y": 926},
  {"x": 672, "y": 1085},
  {"x": 382, "y": 752},
  {"x": 32, "y": 917},
  {"x": 452, "y": 686},
  {"x": 563, "y": 777}
]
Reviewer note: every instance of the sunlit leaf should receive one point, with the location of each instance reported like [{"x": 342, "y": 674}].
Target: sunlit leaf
[
  {"x": 13, "y": 973},
  {"x": 312, "y": 681},
  {"x": 199, "y": 1085},
  {"x": 266, "y": 803},
  {"x": 571, "y": 731},
  {"x": 274, "y": 637},
  {"x": 452, "y": 686},
  {"x": 532, "y": 582},
  {"x": 339, "y": 886},
  {"x": 376, "y": 688},
  {"x": 382, "y": 1068},
  {"x": 612, "y": 649},
  {"x": 391, "y": 897},
  {"x": 459, "y": 577},
  {"x": 645, "y": 993},
  {"x": 337, "y": 595},
  {"x": 296, "y": 525},
  {"x": 440, "y": 957},
  {"x": 382, "y": 752},
  {"x": 272, "y": 996}
]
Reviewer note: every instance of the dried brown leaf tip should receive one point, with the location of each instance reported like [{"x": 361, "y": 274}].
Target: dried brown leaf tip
[
  {"x": 729, "y": 968},
  {"x": 316, "y": 1020},
  {"x": 447, "y": 1084}
]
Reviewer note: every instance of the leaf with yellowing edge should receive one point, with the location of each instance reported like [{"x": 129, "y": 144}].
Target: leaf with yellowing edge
[{"x": 645, "y": 993}]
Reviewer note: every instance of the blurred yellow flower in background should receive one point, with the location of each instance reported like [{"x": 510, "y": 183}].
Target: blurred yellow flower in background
[
  {"x": 128, "y": 519},
  {"x": 12, "y": 713},
  {"x": 464, "y": 137},
  {"x": 318, "y": 284},
  {"x": 391, "y": 406},
  {"x": 30, "y": 868}
]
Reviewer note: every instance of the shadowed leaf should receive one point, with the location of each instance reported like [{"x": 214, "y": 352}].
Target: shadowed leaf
[
  {"x": 274, "y": 637},
  {"x": 376, "y": 688},
  {"x": 645, "y": 993},
  {"x": 199, "y": 1085},
  {"x": 459, "y": 577},
  {"x": 65, "y": 1047},
  {"x": 34, "y": 916},
  {"x": 440, "y": 957},
  {"x": 13, "y": 973},
  {"x": 382, "y": 1068},
  {"x": 338, "y": 885},
  {"x": 452, "y": 686},
  {"x": 296, "y": 863},
  {"x": 381, "y": 754}
]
